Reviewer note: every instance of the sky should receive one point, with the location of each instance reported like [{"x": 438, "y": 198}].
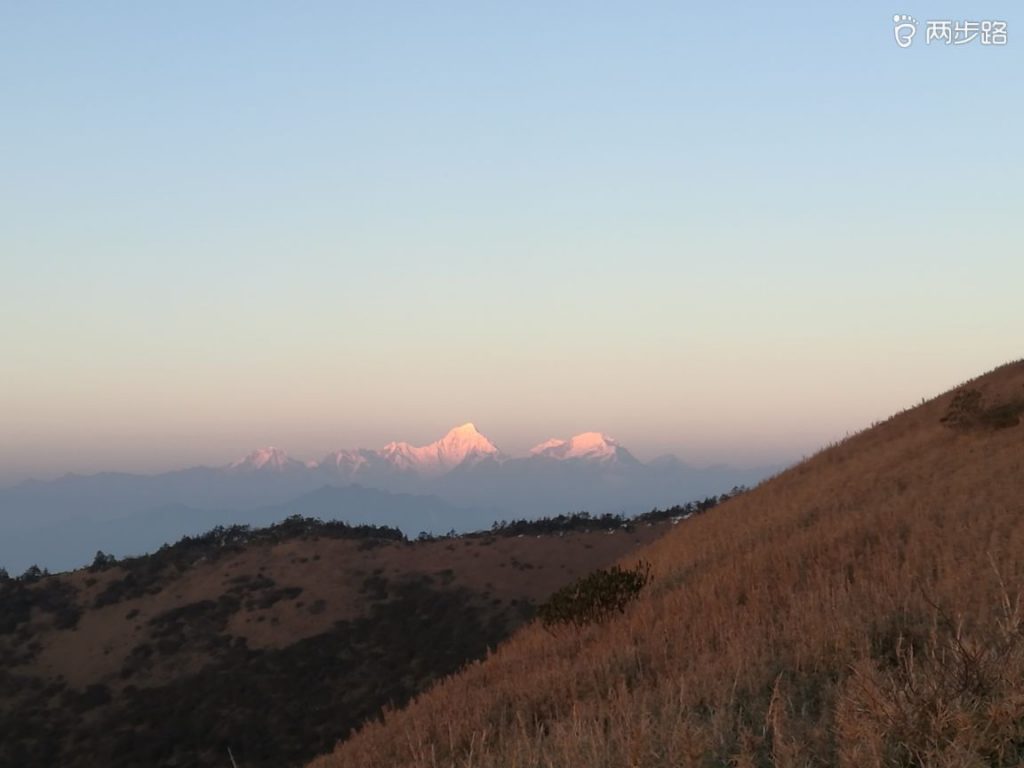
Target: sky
[{"x": 729, "y": 231}]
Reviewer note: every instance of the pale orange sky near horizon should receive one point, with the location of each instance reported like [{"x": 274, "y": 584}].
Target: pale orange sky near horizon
[
  {"x": 756, "y": 428},
  {"x": 730, "y": 233}
]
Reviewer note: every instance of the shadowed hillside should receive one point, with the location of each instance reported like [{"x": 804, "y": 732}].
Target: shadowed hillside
[
  {"x": 861, "y": 609},
  {"x": 272, "y": 642}
]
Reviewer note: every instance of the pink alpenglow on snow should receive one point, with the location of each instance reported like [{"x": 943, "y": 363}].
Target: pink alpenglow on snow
[
  {"x": 591, "y": 446},
  {"x": 461, "y": 444},
  {"x": 269, "y": 458}
]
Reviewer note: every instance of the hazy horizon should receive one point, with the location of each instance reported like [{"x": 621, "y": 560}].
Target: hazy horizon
[
  {"x": 781, "y": 448},
  {"x": 143, "y": 464},
  {"x": 733, "y": 234}
]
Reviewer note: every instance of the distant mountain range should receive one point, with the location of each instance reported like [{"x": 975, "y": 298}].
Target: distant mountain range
[
  {"x": 462, "y": 447},
  {"x": 462, "y": 481}
]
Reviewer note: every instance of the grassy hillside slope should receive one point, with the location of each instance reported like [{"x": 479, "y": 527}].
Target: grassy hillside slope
[
  {"x": 861, "y": 609},
  {"x": 274, "y": 643}
]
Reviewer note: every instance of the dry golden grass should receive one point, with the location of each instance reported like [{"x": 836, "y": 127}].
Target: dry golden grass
[
  {"x": 330, "y": 570},
  {"x": 861, "y": 609},
  {"x": 145, "y": 665}
]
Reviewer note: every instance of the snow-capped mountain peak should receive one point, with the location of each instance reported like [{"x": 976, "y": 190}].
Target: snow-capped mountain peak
[
  {"x": 403, "y": 455},
  {"x": 269, "y": 458},
  {"x": 547, "y": 448},
  {"x": 347, "y": 461},
  {"x": 463, "y": 443},
  {"x": 590, "y": 446}
]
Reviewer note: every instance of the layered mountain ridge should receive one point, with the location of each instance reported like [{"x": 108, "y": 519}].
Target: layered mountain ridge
[
  {"x": 461, "y": 445},
  {"x": 462, "y": 481},
  {"x": 589, "y": 446}
]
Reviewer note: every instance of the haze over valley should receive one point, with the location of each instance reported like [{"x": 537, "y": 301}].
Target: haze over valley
[{"x": 460, "y": 482}]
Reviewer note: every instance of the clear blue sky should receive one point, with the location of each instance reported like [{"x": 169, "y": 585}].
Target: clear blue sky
[{"x": 731, "y": 231}]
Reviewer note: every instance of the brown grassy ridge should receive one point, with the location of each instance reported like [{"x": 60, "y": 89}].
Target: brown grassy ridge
[
  {"x": 275, "y": 646},
  {"x": 860, "y": 609}
]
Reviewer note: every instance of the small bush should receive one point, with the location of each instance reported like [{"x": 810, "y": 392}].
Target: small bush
[
  {"x": 968, "y": 411},
  {"x": 102, "y": 562},
  {"x": 33, "y": 574},
  {"x": 595, "y": 597}
]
